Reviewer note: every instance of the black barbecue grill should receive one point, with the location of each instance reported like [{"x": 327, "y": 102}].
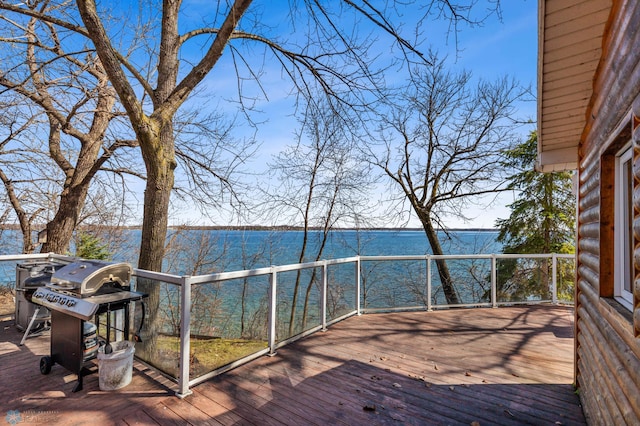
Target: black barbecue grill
[{"x": 78, "y": 293}]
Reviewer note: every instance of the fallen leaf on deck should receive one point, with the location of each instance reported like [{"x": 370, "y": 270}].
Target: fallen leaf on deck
[
  {"x": 467, "y": 374},
  {"x": 509, "y": 413},
  {"x": 397, "y": 385},
  {"x": 369, "y": 407}
]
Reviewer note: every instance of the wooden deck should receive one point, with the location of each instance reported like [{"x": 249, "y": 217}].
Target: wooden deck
[{"x": 490, "y": 366}]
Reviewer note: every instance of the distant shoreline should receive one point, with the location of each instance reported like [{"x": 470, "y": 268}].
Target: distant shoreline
[
  {"x": 16, "y": 227},
  {"x": 300, "y": 228}
]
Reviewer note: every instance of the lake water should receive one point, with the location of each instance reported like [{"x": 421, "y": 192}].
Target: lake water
[
  {"x": 236, "y": 249},
  {"x": 228, "y": 250},
  {"x": 239, "y": 305}
]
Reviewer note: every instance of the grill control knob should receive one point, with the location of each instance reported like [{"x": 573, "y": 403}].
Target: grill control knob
[
  {"x": 62, "y": 301},
  {"x": 71, "y": 302}
]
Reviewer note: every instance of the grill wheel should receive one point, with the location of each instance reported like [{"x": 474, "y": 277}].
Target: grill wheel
[{"x": 45, "y": 364}]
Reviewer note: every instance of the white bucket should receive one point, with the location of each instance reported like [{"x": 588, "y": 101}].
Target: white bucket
[{"x": 115, "y": 369}]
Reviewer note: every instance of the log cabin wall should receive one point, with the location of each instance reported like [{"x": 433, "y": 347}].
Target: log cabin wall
[{"x": 607, "y": 341}]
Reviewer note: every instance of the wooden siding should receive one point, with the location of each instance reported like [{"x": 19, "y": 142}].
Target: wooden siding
[
  {"x": 607, "y": 347},
  {"x": 506, "y": 366},
  {"x": 636, "y": 209}
]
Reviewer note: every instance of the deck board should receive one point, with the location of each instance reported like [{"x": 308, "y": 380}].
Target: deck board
[{"x": 506, "y": 366}]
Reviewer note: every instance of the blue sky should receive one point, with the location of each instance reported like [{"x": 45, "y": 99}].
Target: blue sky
[{"x": 506, "y": 47}]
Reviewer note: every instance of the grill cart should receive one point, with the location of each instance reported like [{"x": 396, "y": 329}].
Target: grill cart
[{"x": 77, "y": 294}]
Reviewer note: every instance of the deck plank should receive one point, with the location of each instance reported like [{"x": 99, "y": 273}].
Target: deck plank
[{"x": 506, "y": 366}]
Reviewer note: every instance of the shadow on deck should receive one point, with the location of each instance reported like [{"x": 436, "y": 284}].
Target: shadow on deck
[{"x": 490, "y": 366}]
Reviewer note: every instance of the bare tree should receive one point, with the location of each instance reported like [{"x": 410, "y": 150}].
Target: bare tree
[
  {"x": 15, "y": 124},
  {"x": 320, "y": 47},
  {"x": 321, "y": 186},
  {"x": 441, "y": 144},
  {"x": 193, "y": 252},
  {"x": 66, "y": 96},
  {"x": 333, "y": 56}
]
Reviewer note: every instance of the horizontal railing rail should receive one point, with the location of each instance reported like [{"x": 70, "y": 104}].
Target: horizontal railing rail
[{"x": 333, "y": 290}]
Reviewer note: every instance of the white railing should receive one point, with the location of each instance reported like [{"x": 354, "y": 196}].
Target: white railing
[
  {"x": 337, "y": 289},
  {"x": 274, "y": 272}
]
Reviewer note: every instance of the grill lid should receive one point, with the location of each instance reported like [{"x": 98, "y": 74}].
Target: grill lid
[{"x": 87, "y": 276}]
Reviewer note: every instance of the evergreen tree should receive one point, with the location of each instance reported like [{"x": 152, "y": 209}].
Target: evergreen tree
[
  {"x": 542, "y": 220},
  {"x": 90, "y": 246}
]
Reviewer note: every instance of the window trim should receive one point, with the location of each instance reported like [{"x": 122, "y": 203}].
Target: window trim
[{"x": 623, "y": 222}]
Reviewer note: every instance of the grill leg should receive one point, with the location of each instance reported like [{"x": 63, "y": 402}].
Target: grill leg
[
  {"x": 78, "y": 386},
  {"x": 33, "y": 320}
]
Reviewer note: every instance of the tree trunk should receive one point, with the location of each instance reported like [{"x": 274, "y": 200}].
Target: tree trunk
[
  {"x": 448, "y": 288},
  {"x": 303, "y": 252},
  {"x": 157, "y": 192},
  {"x": 160, "y": 176},
  {"x": 25, "y": 222},
  {"x": 78, "y": 178},
  {"x": 28, "y": 245},
  {"x": 60, "y": 228}
]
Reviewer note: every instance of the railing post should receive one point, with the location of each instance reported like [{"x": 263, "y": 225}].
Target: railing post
[
  {"x": 273, "y": 281},
  {"x": 429, "y": 303},
  {"x": 554, "y": 278},
  {"x": 325, "y": 274},
  {"x": 494, "y": 281},
  {"x": 358, "y": 284},
  {"x": 185, "y": 337}
]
